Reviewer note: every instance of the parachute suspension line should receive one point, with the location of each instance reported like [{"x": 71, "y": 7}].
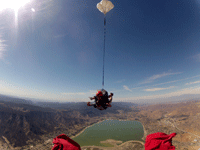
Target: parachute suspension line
[
  {"x": 104, "y": 6},
  {"x": 104, "y": 49}
]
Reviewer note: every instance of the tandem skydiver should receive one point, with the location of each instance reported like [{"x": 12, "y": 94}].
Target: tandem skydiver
[{"x": 102, "y": 100}]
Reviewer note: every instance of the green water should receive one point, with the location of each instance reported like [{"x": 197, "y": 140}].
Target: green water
[{"x": 110, "y": 129}]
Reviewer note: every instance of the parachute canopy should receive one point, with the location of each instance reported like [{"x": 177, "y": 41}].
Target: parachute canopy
[
  {"x": 105, "y": 6},
  {"x": 65, "y": 143}
]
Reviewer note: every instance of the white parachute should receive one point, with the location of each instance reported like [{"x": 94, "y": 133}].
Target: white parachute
[{"x": 105, "y": 6}]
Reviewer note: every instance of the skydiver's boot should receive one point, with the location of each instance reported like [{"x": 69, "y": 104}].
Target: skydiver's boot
[
  {"x": 89, "y": 104},
  {"x": 109, "y": 105}
]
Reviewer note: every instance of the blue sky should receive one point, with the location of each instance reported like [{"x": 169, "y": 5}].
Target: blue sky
[{"x": 53, "y": 50}]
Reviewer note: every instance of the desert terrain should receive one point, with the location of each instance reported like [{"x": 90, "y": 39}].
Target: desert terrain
[{"x": 37, "y": 127}]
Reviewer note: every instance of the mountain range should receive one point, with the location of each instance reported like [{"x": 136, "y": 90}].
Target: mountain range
[{"x": 25, "y": 122}]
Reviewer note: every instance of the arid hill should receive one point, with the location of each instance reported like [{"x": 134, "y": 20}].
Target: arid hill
[
  {"x": 25, "y": 124},
  {"x": 181, "y": 118}
]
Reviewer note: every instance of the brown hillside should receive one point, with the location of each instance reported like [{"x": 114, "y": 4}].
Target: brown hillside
[{"x": 181, "y": 118}]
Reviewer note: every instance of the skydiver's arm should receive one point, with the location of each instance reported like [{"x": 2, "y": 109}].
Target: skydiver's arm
[
  {"x": 110, "y": 97},
  {"x": 91, "y": 98},
  {"x": 110, "y": 100}
]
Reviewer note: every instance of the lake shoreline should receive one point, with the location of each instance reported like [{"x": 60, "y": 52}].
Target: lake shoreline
[
  {"x": 143, "y": 138},
  {"x": 96, "y": 123},
  {"x": 86, "y": 128},
  {"x": 145, "y": 133},
  {"x": 114, "y": 145}
]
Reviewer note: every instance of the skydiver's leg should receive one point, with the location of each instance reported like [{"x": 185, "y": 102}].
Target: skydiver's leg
[
  {"x": 109, "y": 105},
  {"x": 109, "y": 101},
  {"x": 95, "y": 104},
  {"x": 104, "y": 106},
  {"x": 91, "y": 104}
]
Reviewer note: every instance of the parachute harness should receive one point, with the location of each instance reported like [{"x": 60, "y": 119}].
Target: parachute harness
[{"x": 104, "y": 47}]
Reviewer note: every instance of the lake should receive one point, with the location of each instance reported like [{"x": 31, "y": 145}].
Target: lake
[{"x": 110, "y": 129}]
